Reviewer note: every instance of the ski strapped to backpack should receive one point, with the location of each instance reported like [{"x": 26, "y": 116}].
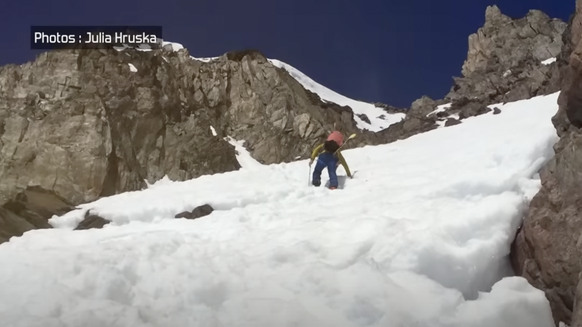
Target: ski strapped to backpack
[{"x": 341, "y": 146}]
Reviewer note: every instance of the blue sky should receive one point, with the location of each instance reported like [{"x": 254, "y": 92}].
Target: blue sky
[{"x": 373, "y": 50}]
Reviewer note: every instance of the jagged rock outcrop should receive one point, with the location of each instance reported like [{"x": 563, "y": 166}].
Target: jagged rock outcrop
[
  {"x": 505, "y": 58},
  {"x": 92, "y": 221},
  {"x": 548, "y": 247},
  {"x": 390, "y": 109},
  {"x": 83, "y": 124},
  {"x": 416, "y": 121},
  {"x": 504, "y": 63}
]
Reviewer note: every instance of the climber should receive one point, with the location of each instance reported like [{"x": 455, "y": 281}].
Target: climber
[{"x": 330, "y": 158}]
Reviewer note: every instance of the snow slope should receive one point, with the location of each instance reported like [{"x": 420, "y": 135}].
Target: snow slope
[{"x": 418, "y": 238}]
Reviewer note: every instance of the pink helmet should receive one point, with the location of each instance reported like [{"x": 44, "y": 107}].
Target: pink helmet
[{"x": 337, "y": 137}]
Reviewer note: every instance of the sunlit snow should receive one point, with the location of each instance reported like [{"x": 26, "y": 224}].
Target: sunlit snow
[
  {"x": 549, "y": 61},
  {"x": 425, "y": 224},
  {"x": 243, "y": 156}
]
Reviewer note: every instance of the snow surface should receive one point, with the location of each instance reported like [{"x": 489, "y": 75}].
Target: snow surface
[
  {"x": 243, "y": 156},
  {"x": 425, "y": 224},
  {"x": 379, "y": 118},
  {"x": 549, "y": 61},
  {"x": 213, "y": 131},
  {"x": 132, "y": 68}
]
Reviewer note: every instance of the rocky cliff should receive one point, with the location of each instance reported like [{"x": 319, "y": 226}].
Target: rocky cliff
[
  {"x": 77, "y": 125},
  {"x": 548, "y": 247}
]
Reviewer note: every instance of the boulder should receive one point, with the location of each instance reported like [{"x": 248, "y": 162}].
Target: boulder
[
  {"x": 198, "y": 212},
  {"x": 30, "y": 209},
  {"x": 92, "y": 222}
]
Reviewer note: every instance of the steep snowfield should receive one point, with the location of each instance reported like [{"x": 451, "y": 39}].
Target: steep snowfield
[
  {"x": 379, "y": 119},
  {"x": 424, "y": 226}
]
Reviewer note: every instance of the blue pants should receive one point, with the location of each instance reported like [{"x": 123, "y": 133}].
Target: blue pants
[{"x": 329, "y": 161}]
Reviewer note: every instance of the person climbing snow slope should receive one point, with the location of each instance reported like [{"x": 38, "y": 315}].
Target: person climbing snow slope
[{"x": 329, "y": 157}]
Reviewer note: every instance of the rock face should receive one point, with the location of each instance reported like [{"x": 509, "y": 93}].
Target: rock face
[
  {"x": 83, "y": 124},
  {"x": 415, "y": 122},
  {"x": 30, "y": 209},
  {"x": 198, "y": 212},
  {"x": 505, "y": 58},
  {"x": 548, "y": 248}
]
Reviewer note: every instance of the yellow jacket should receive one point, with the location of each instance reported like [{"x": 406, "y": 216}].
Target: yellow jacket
[{"x": 319, "y": 149}]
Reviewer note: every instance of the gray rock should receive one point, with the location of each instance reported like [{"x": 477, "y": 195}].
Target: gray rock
[
  {"x": 364, "y": 118},
  {"x": 30, "y": 209},
  {"x": 198, "y": 212},
  {"x": 505, "y": 55},
  {"x": 504, "y": 42},
  {"x": 92, "y": 222},
  {"x": 452, "y": 122},
  {"x": 389, "y": 109},
  {"x": 422, "y": 107}
]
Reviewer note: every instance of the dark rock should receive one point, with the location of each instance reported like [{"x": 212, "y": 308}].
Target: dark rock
[
  {"x": 409, "y": 126},
  {"x": 472, "y": 111},
  {"x": 198, "y": 212},
  {"x": 442, "y": 114},
  {"x": 364, "y": 118},
  {"x": 422, "y": 107},
  {"x": 30, "y": 209},
  {"x": 92, "y": 222},
  {"x": 452, "y": 122},
  {"x": 252, "y": 54},
  {"x": 465, "y": 107},
  {"x": 496, "y": 111}
]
